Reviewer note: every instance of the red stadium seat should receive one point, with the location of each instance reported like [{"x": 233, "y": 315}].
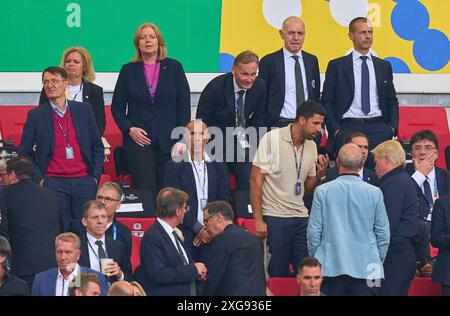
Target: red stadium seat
[
  {"x": 135, "y": 251},
  {"x": 433, "y": 251},
  {"x": 114, "y": 138},
  {"x": 424, "y": 287},
  {"x": 415, "y": 118},
  {"x": 12, "y": 120},
  {"x": 248, "y": 223},
  {"x": 138, "y": 226},
  {"x": 283, "y": 286},
  {"x": 104, "y": 178}
]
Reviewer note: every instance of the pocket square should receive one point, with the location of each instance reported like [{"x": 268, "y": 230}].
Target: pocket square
[
  {"x": 385, "y": 81},
  {"x": 251, "y": 114},
  {"x": 313, "y": 83}
]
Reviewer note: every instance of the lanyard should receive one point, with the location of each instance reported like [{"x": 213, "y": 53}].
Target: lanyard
[
  {"x": 63, "y": 131},
  {"x": 95, "y": 253},
  {"x": 298, "y": 166},
  {"x": 114, "y": 231},
  {"x": 76, "y": 94},
  {"x": 198, "y": 177},
  {"x": 435, "y": 189},
  {"x": 151, "y": 84},
  {"x": 236, "y": 113}
]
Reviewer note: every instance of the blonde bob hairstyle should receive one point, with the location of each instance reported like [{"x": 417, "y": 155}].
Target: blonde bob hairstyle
[
  {"x": 162, "y": 50},
  {"x": 392, "y": 150},
  {"x": 88, "y": 66}
]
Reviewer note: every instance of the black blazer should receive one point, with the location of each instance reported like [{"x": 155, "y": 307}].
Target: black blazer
[
  {"x": 339, "y": 89},
  {"x": 34, "y": 220},
  {"x": 39, "y": 131},
  {"x": 180, "y": 176},
  {"x": 216, "y": 106},
  {"x": 235, "y": 265},
  {"x": 131, "y": 106},
  {"x": 440, "y": 238},
  {"x": 271, "y": 69},
  {"x": 443, "y": 184},
  {"x": 114, "y": 249},
  {"x": 162, "y": 272},
  {"x": 368, "y": 176},
  {"x": 92, "y": 94},
  {"x": 4, "y": 217}
]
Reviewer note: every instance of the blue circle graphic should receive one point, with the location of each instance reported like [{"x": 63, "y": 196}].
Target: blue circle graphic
[
  {"x": 431, "y": 50},
  {"x": 409, "y": 18},
  {"x": 398, "y": 65},
  {"x": 225, "y": 62}
]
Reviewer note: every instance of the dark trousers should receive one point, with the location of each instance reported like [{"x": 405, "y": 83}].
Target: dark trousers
[
  {"x": 286, "y": 241},
  {"x": 346, "y": 285},
  {"x": 399, "y": 267},
  {"x": 72, "y": 194},
  {"x": 445, "y": 290},
  {"x": 147, "y": 168}
]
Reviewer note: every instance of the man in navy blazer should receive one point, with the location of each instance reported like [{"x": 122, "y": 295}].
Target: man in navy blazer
[
  {"x": 167, "y": 268},
  {"x": 69, "y": 153},
  {"x": 203, "y": 180},
  {"x": 56, "y": 281},
  {"x": 277, "y": 69},
  {"x": 236, "y": 100},
  {"x": 359, "y": 93}
]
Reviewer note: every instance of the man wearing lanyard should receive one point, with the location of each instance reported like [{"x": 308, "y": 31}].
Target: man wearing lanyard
[
  {"x": 69, "y": 152},
  {"x": 286, "y": 166},
  {"x": 203, "y": 180}
]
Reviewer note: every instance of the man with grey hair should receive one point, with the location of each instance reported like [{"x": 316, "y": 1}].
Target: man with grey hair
[
  {"x": 9, "y": 284},
  {"x": 349, "y": 238}
]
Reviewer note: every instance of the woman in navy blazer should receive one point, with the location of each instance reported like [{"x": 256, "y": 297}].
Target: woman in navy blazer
[{"x": 151, "y": 98}]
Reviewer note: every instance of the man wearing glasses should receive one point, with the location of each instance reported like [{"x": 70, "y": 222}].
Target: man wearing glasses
[{"x": 68, "y": 150}]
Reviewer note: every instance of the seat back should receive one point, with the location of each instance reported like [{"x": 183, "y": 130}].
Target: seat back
[
  {"x": 424, "y": 287},
  {"x": 283, "y": 286},
  {"x": 12, "y": 120},
  {"x": 416, "y": 118}
]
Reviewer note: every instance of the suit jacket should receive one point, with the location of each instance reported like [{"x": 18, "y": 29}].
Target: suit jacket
[
  {"x": 180, "y": 176},
  {"x": 4, "y": 217},
  {"x": 348, "y": 236},
  {"x": 440, "y": 238},
  {"x": 443, "y": 184},
  {"x": 339, "y": 89},
  {"x": 92, "y": 94},
  {"x": 271, "y": 69},
  {"x": 235, "y": 267},
  {"x": 162, "y": 272},
  {"x": 368, "y": 176},
  {"x": 39, "y": 131},
  {"x": 45, "y": 282},
  {"x": 33, "y": 224},
  {"x": 114, "y": 250},
  {"x": 216, "y": 106},
  {"x": 131, "y": 105}
]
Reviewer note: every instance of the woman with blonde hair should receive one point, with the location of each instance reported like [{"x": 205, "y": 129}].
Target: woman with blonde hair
[{"x": 138, "y": 289}]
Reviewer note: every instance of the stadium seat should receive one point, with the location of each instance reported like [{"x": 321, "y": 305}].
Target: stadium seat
[
  {"x": 114, "y": 138},
  {"x": 248, "y": 223},
  {"x": 138, "y": 226},
  {"x": 104, "y": 178},
  {"x": 424, "y": 287},
  {"x": 135, "y": 252},
  {"x": 283, "y": 286},
  {"x": 415, "y": 118},
  {"x": 433, "y": 251},
  {"x": 12, "y": 120}
]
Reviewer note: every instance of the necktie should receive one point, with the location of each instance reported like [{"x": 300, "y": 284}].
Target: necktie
[
  {"x": 300, "y": 93},
  {"x": 183, "y": 258},
  {"x": 427, "y": 192},
  {"x": 240, "y": 110},
  {"x": 365, "y": 93},
  {"x": 101, "y": 251}
]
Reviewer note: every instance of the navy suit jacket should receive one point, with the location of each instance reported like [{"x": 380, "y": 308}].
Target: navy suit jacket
[
  {"x": 45, "y": 282},
  {"x": 443, "y": 184},
  {"x": 172, "y": 106},
  {"x": 271, "y": 69},
  {"x": 440, "y": 238},
  {"x": 235, "y": 265},
  {"x": 114, "y": 250},
  {"x": 39, "y": 131},
  {"x": 180, "y": 176},
  {"x": 162, "y": 272},
  {"x": 368, "y": 176},
  {"x": 216, "y": 106},
  {"x": 4, "y": 218},
  {"x": 339, "y": 90}
]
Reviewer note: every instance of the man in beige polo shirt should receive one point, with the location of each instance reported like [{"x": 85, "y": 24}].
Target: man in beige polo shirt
[{"x": 285, "y": 167}]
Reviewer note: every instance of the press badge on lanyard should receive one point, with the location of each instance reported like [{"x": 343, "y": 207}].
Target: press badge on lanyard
[
  {"x": 69, "y": 152},
  {"x": 69, "y": 149}
]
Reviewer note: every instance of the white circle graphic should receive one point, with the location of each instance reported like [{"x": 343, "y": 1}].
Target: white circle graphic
[
  {"x": 276, "y": 11},
  {"x": 343, "y": 11}
]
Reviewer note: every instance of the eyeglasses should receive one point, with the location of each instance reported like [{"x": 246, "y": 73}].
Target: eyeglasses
[
  {"x": 427, "y": 148},
  {"x": 52, "y": 82},
  {"x": 106, "y": 199}
]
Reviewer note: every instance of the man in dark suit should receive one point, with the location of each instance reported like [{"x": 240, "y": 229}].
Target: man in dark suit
[
  {"x": 69, "y": 152},
  {"x": 359, "y": 93},
  {"x": 236, "y": 101},
  {"x": 56, "y": 281},
  {"x": 285, "y": 70},
  {"x": 235, "y": 261},
  {"x": 167, "y": 268},
  {"x": 96, "y": 245},
  {"x": 10, "y": 285},
  {"x": 203, "y": 180},
  {"x": 440, "y": 238},
  {"x": 34, "y": 220}
]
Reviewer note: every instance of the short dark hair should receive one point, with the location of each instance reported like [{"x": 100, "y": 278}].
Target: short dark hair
[
  {"x": 246, "y": 57},
  {"x": 115, "y": 186},
  {"x": 425, "y": 134},
  {"x": 168, "y": 201},
  {"x": 348, "y": 139},
  {"x": 308, "y": 109},
  {"x": 308, "y": 262},
  {"x": 5, "y": 251},
  {"x": 22, "y": 167},
  {"x": 221, "y": 207},
  {"x": 351, "y": 26},
  {"x": 84, "y": 278},
  {"x": 91, "y": 204},
  {"x": 55, "y": 70}
]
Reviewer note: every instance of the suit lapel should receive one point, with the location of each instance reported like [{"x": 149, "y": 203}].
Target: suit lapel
[
  {"x": 169, "y": 241},
  {"x": 229, "y": 94},
  {"x": 141, "y": 81},
  {"x": 279, "y": 66},
  {"x": 87, "y": 92},
  {"x": 440, "y": 179},
  {"x": 84, "y": 261},
  {"x": 348, "y": 69},
  {"x": 378, "y": 70},
  {"x": 77, "y": 119},
  {"x": 48, "y": 119},
  {"x": 308, "y": 72},
  {"x": 212, "y": 176},
  {"x": 52, "y": 284},
  {"x": 162, "y": 80}
]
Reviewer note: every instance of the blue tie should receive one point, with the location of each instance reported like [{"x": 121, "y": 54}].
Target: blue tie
[
  {"x": 365, "y": 93},
  {"x": 427, "y": 192}
]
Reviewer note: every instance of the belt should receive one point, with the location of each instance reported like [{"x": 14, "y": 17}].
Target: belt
[
  {"x": 363, "y": 120},
  {"x": 284, "y": 120}
]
